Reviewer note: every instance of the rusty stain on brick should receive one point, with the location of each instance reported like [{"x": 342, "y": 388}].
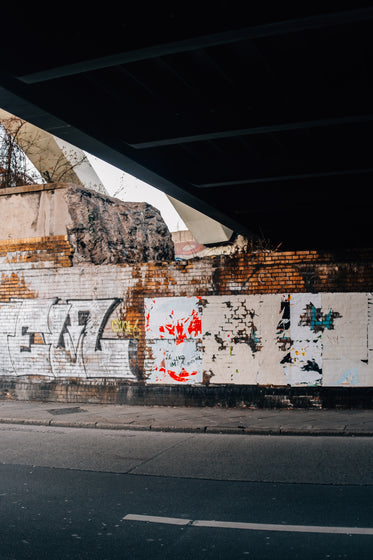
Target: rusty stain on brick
[
  {"x": 14, "y": 286},
  {"x": 37, "y": 252}
]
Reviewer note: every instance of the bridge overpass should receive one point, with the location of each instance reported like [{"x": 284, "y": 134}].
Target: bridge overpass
[{"x": 258, "y": 118}]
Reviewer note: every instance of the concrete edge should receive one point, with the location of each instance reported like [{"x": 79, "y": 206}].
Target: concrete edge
[{"x": 315, "y": 432}]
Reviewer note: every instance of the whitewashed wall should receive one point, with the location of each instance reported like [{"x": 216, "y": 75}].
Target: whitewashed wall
[
  {"x": 68, "y": 326},
  {"x": 290, "y": 339}
]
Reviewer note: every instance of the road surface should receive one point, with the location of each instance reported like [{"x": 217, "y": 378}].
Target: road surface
[{"x": 107, "y": 494}]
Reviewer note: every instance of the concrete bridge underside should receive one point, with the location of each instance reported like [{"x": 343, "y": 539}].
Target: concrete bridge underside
[{"x": 256, "y": 118}]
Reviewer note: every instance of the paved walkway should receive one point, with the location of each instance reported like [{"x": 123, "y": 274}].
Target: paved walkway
[{"x": 182, "y": 419}]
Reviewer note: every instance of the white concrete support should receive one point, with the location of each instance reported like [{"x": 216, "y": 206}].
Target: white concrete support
[
  {"x": 205, "y": 230},
  {"x": 55, "y": 159}
]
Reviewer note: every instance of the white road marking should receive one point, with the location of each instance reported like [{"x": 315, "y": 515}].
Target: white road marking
[
  {"x": 250, "y": 526},
  {"x": 155, "y": 519}
]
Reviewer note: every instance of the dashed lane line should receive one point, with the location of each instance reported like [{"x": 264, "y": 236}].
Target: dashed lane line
[{"x": 249, "y": 526}]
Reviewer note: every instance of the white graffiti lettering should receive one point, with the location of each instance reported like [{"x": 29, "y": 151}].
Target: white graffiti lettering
[{"x": 62, "y": 339}]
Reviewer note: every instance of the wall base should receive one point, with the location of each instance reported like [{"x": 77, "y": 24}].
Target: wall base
[{"x": 228, "y": 396}]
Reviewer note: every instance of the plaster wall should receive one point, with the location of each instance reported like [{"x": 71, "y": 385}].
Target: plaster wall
[{"x": 40, "y": 213}]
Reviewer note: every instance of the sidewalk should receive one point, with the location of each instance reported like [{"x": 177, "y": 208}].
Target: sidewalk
[{"x": 181, "y": 419}]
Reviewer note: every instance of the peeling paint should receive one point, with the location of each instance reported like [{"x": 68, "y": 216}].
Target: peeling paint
[
  {"x": 318, "y": 320},
  {"x": 13, "y": 285},
  {"x": 51, "y": 327},
  {"x": 173, "y": 330}
]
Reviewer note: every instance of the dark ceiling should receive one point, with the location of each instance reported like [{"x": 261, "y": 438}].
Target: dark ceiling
[{"x": 260, "y": 118}]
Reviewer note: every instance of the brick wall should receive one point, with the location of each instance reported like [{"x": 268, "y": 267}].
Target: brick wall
[
  {"x": 257, "y": 329},
  {"x": 34, "y": 252}
]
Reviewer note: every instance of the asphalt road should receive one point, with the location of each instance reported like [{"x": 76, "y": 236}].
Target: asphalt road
[{"x": 106, "y": 494}]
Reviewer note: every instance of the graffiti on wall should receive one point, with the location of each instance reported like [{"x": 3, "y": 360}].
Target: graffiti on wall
[
  {"x": 126, "y": 328},
  {"x": 288, "y": 339},
  {"x": 62, "y": 339},
  {"x": 173, "y": 332},
  {"x": 301, "y": 339}
]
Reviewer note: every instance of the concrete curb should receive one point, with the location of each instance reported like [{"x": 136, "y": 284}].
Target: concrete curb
[{"x": 228, "y": 430}]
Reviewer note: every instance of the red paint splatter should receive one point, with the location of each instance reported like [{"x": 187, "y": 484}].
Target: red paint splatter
[
  {"x": 183, "y": 327},
  {"x": 182, "y": 377},
  {"x": 170, "y": 328},
  {"x": 179, "y": 329},
  {"x": 195, "y": 326}
]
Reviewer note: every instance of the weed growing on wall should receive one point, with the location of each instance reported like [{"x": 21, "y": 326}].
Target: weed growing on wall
[
  {"x": 25, "y": 156},
  {"x": 15, "y": 169}
]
